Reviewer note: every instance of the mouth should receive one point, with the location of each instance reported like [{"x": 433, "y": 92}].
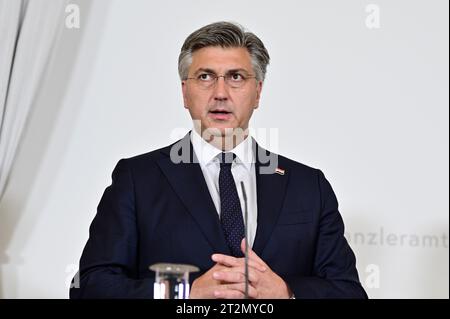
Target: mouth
[{"x": 220, "y": 114}]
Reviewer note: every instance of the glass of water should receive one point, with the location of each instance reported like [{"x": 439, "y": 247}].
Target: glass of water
[{"x": 172, "y": 280}]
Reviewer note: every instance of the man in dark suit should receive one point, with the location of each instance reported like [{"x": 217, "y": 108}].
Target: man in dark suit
[{"x": 183, "y": 203}]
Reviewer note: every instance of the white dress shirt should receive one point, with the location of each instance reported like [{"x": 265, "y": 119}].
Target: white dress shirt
[{"x": 242, "y": 168}]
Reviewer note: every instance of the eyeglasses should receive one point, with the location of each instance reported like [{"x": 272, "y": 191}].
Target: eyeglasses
[{"x": 232, "y": 79}]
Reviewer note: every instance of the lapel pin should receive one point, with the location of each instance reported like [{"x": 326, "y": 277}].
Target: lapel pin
[{"x": 279, "y": 171}]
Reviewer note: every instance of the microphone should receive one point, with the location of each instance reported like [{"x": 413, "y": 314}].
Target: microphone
[{"x": 246, "y": 239}]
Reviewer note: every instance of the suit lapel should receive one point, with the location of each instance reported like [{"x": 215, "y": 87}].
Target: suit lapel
[
  {"x": 188, "y": 182},
  {"x": 271, "y": 189}
]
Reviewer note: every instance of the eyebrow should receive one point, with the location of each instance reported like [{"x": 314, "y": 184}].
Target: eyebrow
[{"x": 208, "y": 70}]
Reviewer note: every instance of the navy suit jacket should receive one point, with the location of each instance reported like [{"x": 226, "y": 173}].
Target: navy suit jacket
[{"x": 156, "y": 210}]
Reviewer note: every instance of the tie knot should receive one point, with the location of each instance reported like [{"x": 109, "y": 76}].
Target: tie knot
[{"x": 226, "y": 159}]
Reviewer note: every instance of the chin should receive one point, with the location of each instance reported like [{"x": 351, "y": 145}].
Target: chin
[
  {"x": 221, "y": 131},
  {"x": 218, "y": 129}
]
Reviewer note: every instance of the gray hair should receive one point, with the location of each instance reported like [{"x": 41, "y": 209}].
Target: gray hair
[{"x": 225, "y": 35}]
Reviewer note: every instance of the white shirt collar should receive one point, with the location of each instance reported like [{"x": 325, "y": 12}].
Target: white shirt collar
[{"x": 206, "y": 153}]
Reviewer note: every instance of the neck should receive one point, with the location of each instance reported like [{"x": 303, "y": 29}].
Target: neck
[{"x": 225, "y": 141}]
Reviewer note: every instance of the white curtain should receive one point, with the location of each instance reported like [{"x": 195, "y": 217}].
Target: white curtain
[{"x": 28, "y": 32}]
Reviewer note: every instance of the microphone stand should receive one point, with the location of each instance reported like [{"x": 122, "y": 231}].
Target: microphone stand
[{"x": 246, "y": 239}]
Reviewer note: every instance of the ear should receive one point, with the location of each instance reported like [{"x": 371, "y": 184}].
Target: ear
[
  {"x": 258, "y": 93},
  {"x": 184, "y": 91}
]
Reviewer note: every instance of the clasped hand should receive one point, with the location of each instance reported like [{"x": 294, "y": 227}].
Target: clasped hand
[{"x": 226, "y": 279}]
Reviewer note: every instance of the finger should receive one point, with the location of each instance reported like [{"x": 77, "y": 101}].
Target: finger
[
  {"x": 230, "y": 261},
  {"x": 225, "y": 260},
  {"x": 229, "y": 294},
  {"x": 251, "y": 254},
  {"x": 236, "y": 262},
  {"x": 229, "y": 276},
  {"x": 235, "y": 291},
  {"x": 236, "y": 274}
]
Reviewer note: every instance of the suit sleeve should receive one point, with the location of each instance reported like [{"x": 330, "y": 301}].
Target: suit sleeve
[
  {"x": 334, "y": 269},
  {"x": 108, "y": 265}
]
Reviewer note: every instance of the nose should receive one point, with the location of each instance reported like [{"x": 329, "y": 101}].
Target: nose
[{"x": 220, "y": 89}]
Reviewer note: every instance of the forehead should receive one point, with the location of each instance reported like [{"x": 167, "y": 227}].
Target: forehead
[{"x": 221, "y": 59}]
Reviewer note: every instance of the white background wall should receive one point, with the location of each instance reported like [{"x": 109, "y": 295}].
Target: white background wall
[{"x": 367, "y": 106}]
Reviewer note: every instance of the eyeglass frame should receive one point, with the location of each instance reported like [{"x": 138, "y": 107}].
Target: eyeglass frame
[{"x": 225, "y": 77}]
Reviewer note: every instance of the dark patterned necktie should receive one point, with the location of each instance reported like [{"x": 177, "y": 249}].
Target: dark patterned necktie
[{"x": 230, "y": 206}]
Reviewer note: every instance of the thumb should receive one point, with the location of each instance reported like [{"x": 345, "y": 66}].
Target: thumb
[
  {"x": 243, "y": 245},
  {"x": 254, "y": 259},
  {"x": 251, "y": 253}
]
